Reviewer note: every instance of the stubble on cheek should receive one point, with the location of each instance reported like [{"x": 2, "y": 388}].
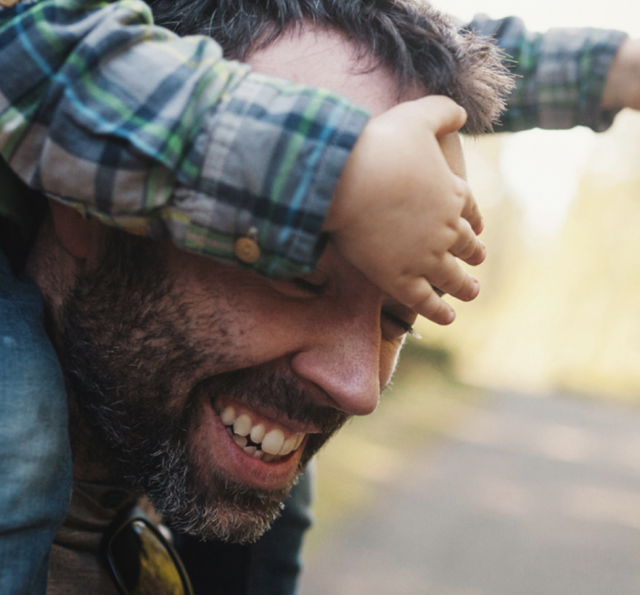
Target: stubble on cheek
[{"x": 129, "y": 345}]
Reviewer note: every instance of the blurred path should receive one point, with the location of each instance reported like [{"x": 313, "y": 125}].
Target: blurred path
[{"x": 532, "y": 496}]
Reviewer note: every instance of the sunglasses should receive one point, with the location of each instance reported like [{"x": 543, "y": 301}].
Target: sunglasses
[{"x": 140, "y": 559}]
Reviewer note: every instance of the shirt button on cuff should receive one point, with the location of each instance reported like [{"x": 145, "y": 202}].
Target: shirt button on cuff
[{"x": 247, "y": 250}]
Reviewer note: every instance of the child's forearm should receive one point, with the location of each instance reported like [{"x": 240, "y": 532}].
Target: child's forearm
[{"x": 161, "y": 136}]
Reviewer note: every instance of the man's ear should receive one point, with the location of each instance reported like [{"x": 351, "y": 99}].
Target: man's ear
[{"x": 75, "y": 232}]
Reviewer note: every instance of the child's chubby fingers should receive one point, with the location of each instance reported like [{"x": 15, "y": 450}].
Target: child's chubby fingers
[
  {"x": 470, "y": 209},
  {"x": 452, "y": 150},
  {"x": 424, "y": 300},
  {"x": 468, "y": 247},
  {"x": 471, "y": 212},
  {"x": 455, "y": 281},
  {"x": 440, "y": 113}
]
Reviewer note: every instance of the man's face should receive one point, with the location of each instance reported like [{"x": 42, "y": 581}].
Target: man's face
[{"x": 212, "y": 386}]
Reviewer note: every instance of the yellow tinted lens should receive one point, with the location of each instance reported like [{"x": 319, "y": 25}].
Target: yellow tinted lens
[{"x": 143, "y": 563}]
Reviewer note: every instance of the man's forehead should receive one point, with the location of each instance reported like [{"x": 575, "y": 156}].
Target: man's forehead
[{"x": 326, "y": 58}]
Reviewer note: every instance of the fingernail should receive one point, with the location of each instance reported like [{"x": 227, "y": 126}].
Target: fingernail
[
  {"x": 451, "y": 317},
  {"x": 483, "y": 253},
  {"x": 475, "y": 289}
]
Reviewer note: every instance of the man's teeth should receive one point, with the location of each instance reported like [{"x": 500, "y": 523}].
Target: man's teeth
[
  {"x": 228, "y": 416},
  {"x": 273, "y": 441},
  {"x": 242, "y": 425},
  {"x": 268, "y": 446},
  {"x": 241, "y": 441},
  {"x": 257, "y": 433}
]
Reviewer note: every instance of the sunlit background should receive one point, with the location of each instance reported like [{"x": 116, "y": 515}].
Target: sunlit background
[
  {"x": 558, "y": 315},
  {"x": 559, "y": 307}
]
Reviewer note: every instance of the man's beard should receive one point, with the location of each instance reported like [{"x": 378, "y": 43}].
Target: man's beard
[{"x": 125, "y": 352}]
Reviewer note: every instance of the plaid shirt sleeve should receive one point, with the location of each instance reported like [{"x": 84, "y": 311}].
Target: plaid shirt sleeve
[
  {"x": 160, "y": 136},
  {"x": 560, "y": 74}
]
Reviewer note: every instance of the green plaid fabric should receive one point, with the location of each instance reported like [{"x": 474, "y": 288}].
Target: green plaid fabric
[
  {"x": 560, "y": 74},
  {"x": 160, "y": 136}
]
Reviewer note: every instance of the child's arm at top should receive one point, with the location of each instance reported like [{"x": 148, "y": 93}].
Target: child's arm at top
[
  {"x": 159, "y": 135},
  {"x": 565, "y": 77}
]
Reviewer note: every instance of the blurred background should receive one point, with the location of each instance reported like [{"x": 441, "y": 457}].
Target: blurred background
[{"x": 505, "y": 459}]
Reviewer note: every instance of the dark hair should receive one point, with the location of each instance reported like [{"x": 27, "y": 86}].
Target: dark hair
[{"x": 415, "y": 41}]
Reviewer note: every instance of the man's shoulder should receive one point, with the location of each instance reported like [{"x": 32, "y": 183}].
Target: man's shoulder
[{"x": 21, "y": 212}]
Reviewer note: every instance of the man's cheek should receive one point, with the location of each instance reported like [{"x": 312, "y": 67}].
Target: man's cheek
[{"x": 222, "y": 344}]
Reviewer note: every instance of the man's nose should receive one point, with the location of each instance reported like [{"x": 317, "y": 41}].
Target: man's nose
[{"x": 342, "y": 357}]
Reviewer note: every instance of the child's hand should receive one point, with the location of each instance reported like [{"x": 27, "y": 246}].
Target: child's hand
[{"x": 401, "y": 216}]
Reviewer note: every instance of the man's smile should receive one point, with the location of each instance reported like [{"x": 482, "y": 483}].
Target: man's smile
[
  {"x": 257, "y": 435},
  {"x": 269, "y": 461}
]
